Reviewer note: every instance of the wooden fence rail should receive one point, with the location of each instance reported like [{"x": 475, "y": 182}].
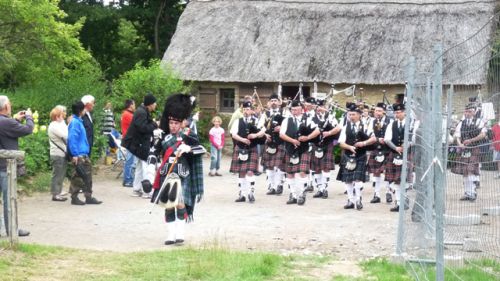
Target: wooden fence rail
[{"x": 12, "y": 156}]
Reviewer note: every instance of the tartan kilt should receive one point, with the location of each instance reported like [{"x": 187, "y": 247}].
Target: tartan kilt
[
  {"x": 269, "y": 161},
  {"x": 358, "y": 174},
  {"x": 327, "y": 163},
  {"x": 374, "y": 166},
  {"x": 303, "y": 167},
  {"x": 393, "y": 172},
  {"x": 467, "y": 166},
  {"x": 252, "y": 164}
]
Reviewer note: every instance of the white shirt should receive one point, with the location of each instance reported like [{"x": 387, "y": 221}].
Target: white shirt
[{"x": 342, "y": 138}]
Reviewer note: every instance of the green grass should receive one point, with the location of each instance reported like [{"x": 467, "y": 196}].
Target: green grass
[
  {"x": 56, "y": 263},
  {"x": 37, "y": 183},
  {"x": 36, "y": 262}
]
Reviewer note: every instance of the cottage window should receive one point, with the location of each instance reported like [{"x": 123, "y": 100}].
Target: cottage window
[{"x": 226, "y": 100}]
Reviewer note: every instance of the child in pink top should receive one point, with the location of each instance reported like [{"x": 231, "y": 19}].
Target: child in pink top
[{"x": 216, "y": 136}]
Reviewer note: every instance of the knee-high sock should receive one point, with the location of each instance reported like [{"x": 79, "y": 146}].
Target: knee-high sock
[
  {"x": 170, "y": 219},
  {"x": 378, "y": 185},
  {"x": 387, "y": 187},
  {"x": 350, "y": 191},
  {"x": 180, "y": 223},
  {"x": 318, "y": 180},
  {"x": 398, "y": 192},
  {"x": 326, "y": 179},
  {"x": 357, "y": 187},
  {"x": 278, "y": 178},
  {"x": 251, "y": 183},
  {"x": 242, "y": 184},
  {"x": 290, "y": 182},
  {"x": 301, "y": 184},
  {"x": 270, "y": 179},
  {"x": 470, "y": 187}
]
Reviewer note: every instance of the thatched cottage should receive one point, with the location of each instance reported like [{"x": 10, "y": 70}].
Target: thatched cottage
[{"x": 228, "y": 47}]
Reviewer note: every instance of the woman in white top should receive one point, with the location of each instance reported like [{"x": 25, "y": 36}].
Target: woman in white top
[{"x": 58, "y": 136}]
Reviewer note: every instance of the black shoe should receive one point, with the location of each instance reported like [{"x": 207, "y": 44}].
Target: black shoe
[
  {"x": 375, "y": 199},
  {"x": 127, "y": 185},
  {"x": 251, "y": 197},
  {"x": 468, "y": 198},
  {"x": 388, "y": 197},
  {"x": 240, "y": 199},
  {"x": 407, "y": 203},
  {"x": 279, "y": 190},
  {"x": 309, "y": 188},
  {"x": 325, "y": 194},
  {"x": 301, "y": 200},
  {"x": 349, "y": 205},
  {"x": 169, "y": 242},
  {"x": 59, "y": 198},
  {"x": 92, "y": 200},
  {"x": 395, "y": 209},
  {"x": 77, "y": 201},
  {"x": 359, "y": 205},
  {"x": 271, "y": 192},
  {"x": 291, "y": 200},
  {"x": 22, "y": 232},
  {"x": 318, "y": 194},
  {"x": 179, "y": 241}
]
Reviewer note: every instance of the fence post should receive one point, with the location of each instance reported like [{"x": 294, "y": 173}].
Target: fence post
[
  {"x": 12, "y": 156},
  {"x": 12, "y": 201},
  {"x": 439, "y": 171},
  {"x": 401, "y": 222}
]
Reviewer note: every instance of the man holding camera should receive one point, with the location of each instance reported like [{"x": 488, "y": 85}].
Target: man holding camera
[{"x": 12, "y": 130}]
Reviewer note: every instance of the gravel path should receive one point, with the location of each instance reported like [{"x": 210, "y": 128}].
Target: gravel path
[{"x": 124, "y": 223}]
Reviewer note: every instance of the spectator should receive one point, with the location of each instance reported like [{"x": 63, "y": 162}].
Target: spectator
[
  {"x": 89, "y": 102},
  {"x": 138, "y": 142},
  {"x": 79, "y": 149},
  {"x": 216, "y": 135},
  {"x": 496, "y": 146},
  {"x": 58, "y": 137},
  {"x": 12, "y": 130},
  {"x": 127, "y": 115},
  {"x": 108, "y": 120}
]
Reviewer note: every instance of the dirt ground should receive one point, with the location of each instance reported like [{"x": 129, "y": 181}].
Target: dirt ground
[{"x": 124, "y": 223}]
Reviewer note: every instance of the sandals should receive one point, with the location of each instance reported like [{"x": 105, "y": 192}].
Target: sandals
[{"x": 59, "y": 198}]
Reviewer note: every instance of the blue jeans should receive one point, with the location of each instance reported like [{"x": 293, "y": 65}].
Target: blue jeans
[
  {"x": 215, "y": 156},
  {"x": 3, "y": 185},
  {"x": 128, "y": 166}
]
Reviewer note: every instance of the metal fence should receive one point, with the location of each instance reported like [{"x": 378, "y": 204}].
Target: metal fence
[{"x": 452, "y": 180}]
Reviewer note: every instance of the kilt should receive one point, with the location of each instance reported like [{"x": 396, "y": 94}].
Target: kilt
[
  {"x": 269, "y": 161},
  {"x": 252, "y": 164},
  {"x": 467, "y": 166},
  {"x": 375, "y": 167},
  {"x": 358, "y": 174},
  {"x": 393, "y": 172},
  {"x": 327, "y": 163},
  {"x": 303, "y": 167}
]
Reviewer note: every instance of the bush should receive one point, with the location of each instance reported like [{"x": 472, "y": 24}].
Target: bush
[
  {"x": 36, "y": 148},
  {"x": 159, "y": 80}
]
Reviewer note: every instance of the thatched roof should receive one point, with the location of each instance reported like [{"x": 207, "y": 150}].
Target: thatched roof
[{"x": 333, "y": 41}]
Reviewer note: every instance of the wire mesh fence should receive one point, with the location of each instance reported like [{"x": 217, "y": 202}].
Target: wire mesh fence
[{"x": 452, "y": 219}]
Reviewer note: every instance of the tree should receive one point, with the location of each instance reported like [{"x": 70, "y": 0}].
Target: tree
[{"x": 34, "y": 41}]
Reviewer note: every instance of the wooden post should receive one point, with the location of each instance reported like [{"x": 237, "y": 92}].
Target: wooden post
[
  {"x": 12, "y": 156},
  {"x": 12, "y": 204}
]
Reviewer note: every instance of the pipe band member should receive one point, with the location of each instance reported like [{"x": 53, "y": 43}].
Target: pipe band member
[
  {"x": 469, "y": 133},
  {"x": 354, "y": 140},
  {"x": 297, "y": 131},
  {"x": 245, "y": 161},
  {"x": 323, "y": 158},
  {"x": 274, "y": 151},
  {"x": 183, "y": 188},
  {"x": 378, "y": 155}
]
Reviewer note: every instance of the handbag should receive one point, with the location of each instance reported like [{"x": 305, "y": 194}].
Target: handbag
[{"x": 67, "y": 155}]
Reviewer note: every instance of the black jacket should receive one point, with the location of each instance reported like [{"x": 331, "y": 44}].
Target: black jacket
[
  {"x": 89, "y": 130},
  {"x": 140, "y": 133}
]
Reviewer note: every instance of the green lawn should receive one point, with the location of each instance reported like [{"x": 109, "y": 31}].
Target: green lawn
[{"x": 35, "y": 262}]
